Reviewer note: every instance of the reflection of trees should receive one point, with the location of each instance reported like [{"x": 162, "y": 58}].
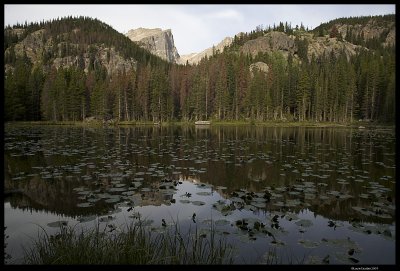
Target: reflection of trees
[{"x": 235, "y": 157}]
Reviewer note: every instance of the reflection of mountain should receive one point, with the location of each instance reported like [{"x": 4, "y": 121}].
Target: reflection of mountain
[
  {"x": 52, "y": 196},
  {"x": 253, "y": 158}
]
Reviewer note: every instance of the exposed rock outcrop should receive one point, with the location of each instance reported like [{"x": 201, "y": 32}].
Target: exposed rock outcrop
[
  {"x": 195, "y": 58},
  {"x": 272, "y": 41},
  {"x": 157, "y": 41},
  {"x": 325, "y": 46},
  {"x": 391, "y": 37},
  {"x": 107, "y": 57},
  {"x": 34, "y": 45},
  {"x": 260, "y": 66},
  {"x": 281, "y": 42},
  {"x": 372, "y": 30}
]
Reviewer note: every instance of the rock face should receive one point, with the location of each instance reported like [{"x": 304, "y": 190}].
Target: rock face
[
  {"x": 325, "y": 46},
  {"x": 161, "y": 43},
  {"x": 157, "y": 41},
  {"x": 285, "y": 44},
  {"x": 372, "y": 30},
  {"x": 104, "y": 56},
  {"x": 391, "y": 37},
  {"x": 34, "y": 45},
  {"x": 31, "y": 45},
  {"x": 195, "y": 58},
  {"x": 272, "y": 41},
  {"x": 260, "y": 66}
]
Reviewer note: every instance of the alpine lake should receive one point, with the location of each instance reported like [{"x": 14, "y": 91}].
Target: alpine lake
[{"x": 300, "y": 195}]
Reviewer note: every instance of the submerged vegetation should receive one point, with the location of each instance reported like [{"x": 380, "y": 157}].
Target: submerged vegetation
[{"x": 136, "y": 245}]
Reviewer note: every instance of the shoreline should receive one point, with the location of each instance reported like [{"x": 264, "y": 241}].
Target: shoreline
[{"x": 308, "y": 124}]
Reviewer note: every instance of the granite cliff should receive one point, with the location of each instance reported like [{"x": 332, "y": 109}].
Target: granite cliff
[{"x": 157, "y": 41}]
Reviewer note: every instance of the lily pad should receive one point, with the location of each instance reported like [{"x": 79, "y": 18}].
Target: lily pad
[
  {"x": 128, "y": 193},
  {"x": 117, "y": 189},
  {"x": 136, "y": 184},
  {"x": 304, "y": 223},
  {"x": 58, "y": 224},
  {"x": 258, "y": 204},
  {"x": 198, "y": 203},
  {"x": 291, "y": 217},
  {"x": 112, "y": 200},
  {"x": 84, "y": 219},
  {"x": 204, "y": 193},
  {"x": 277, "y": 243},
  {"x": 363, "y": 211},
  {"x": 103, "y": 196},
  {"x": 222, "y": 222},
  {"x": 236, "y": 199},
  {"x": 84, "y": 192},
  {"x": 107, "y": 218},
  {"x": 84, "y": 205},
  {"x": 308, "y": 243}
]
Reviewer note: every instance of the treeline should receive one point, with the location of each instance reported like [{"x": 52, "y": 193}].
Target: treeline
[{"x": 221, "y": 87}]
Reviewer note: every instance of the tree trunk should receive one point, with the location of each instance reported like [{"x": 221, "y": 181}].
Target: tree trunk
[
  {"x": 126, "y": 106},
  {"x": 54, "y": 111}
]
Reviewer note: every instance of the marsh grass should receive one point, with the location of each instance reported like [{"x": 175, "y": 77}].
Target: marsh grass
[{"x": 136, "y": 245}]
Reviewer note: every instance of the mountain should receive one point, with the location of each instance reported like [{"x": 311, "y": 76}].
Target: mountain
[
  {"x": 161, "y": 43},
  {"x": 157, "y": 41},
  {"x": 342, "y": 35},
  {"x": 42, "y": 50},
  {"x": 73, "y": 69},
  {"x": 276, "y": 41},
  {"x": 195, "y": 58},
  {"x": 72, "y": 42},
  {"x": 62, "y": 69}
]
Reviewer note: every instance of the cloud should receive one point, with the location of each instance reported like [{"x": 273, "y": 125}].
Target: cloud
[{"x": 227, "y": 14}]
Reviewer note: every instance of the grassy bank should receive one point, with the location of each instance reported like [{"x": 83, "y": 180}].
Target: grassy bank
[{"x": 136, "y": 245}]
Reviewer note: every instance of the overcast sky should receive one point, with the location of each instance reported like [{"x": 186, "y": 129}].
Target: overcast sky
[{"x": 195, "y": 27}]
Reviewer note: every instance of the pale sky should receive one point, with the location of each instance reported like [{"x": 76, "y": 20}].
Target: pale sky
[{"x": 195, "y": 27}]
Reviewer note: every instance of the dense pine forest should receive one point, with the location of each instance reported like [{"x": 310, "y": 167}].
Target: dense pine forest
[{"x": 325, "y": 88}]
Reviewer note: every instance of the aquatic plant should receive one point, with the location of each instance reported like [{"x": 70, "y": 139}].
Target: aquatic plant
[{"x": 135, "y": 245}]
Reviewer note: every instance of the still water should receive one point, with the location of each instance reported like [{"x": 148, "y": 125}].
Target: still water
[{"x": 303, "y": 195}]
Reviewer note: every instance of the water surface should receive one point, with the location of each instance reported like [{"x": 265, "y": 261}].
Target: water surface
[{"x": 302, "y": 194}]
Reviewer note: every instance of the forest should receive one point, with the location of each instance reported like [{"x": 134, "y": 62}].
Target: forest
[{"x": 328, "y": 88}]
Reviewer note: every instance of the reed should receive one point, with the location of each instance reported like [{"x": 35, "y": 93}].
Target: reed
[{"x": 136, "y": 245}]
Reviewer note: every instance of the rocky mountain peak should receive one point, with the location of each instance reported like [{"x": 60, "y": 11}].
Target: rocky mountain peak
[
  {"x": 195, "y": 58},
  {"x": 157, "y": 41}
]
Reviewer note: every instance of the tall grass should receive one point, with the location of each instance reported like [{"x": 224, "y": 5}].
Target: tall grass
[{"x": 136, "y": 245}]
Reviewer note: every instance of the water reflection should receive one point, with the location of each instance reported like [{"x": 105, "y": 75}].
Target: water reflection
[{"x": 343, "y": 177}]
